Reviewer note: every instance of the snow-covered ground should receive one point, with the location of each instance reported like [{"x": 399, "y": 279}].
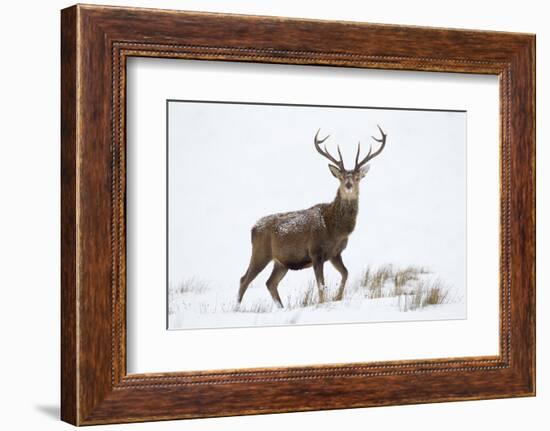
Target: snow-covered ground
[{"x": 384, "y": 294}]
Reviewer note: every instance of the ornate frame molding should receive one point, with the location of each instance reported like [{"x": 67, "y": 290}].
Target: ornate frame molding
[{"x": 96, "y": 41}]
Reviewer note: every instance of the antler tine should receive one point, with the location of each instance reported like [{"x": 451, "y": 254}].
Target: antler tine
[
  {"x": 340, "y": 155},
  {"x": 320, "y": 141},
  {"x": 359, "y": 152},
  {"x": 370, "y": 154},
  {"x": 383, "y": 139},
  {"x": 325, "y": 153}
]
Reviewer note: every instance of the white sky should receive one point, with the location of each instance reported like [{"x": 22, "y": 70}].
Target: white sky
[{"x": 231, "y": 164}]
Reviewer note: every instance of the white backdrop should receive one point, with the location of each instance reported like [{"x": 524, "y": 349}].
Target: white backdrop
[{"x": 29, "y": 222}]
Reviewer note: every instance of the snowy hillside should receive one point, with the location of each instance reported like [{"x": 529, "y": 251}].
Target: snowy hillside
[{"x": 381, "y": 294}]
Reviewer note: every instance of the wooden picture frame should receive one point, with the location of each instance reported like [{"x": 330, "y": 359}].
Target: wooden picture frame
[{"x": 95, "y": 43}]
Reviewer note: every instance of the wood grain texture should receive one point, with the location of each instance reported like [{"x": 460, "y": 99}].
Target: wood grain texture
[
  {"x": 69, "y": 331},
  {"x": 96, "y": 41}
]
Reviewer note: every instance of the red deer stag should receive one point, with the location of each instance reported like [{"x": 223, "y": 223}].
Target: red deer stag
[{"x": 300, "y": 239}]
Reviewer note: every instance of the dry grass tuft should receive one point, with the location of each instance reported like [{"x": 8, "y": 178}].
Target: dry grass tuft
[
  {"x": 307, "y": 298},
  {"x": 191, "y": 285},
  {"x": 310, "y": 297},
  {"x": 404, "y": 277},
  {"x": 257, "y": 307},
  {"x": 408, "y": 284},
  {"x": 426, "y": 293},
  {"x": 436, "y": 294},
  {"x": 375, "y": 280},
  {"x": 188, "y": 286}
]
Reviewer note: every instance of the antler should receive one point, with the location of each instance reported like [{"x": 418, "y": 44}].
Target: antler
[
  {"x": 325, "y": 153},
  {"x": 370, "y": 156}
]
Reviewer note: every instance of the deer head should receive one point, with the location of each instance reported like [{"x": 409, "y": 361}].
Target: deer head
[{"x": 349, "y": 179}]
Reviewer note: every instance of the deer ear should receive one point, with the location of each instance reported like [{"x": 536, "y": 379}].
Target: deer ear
[
  {"x": 335, "y": 171},
  {"x": 363, "y": 171}
]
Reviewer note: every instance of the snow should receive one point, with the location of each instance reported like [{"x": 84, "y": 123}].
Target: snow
[
  {"x": 368, "y": 311},
  {"x": 215, "y": 307},
  {"x": 294, "y": 221}
]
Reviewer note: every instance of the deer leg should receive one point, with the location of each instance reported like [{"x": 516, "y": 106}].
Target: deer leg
[
  {"x": 254, "y": 268},
  {"x": 341, "y": 268},
  {"x": 275, "y": 278},
  {"x": 320, "y": 278}
]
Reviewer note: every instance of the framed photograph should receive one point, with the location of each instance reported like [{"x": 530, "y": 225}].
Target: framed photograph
[
  {"x": 420, "y": 201},
  {"x": 317, "y": 215}
]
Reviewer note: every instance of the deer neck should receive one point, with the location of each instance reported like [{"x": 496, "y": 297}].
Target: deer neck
[{"x": 343, "y": 214}]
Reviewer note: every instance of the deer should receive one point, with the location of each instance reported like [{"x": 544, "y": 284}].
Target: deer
[{"x": 301, "y": 239}]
